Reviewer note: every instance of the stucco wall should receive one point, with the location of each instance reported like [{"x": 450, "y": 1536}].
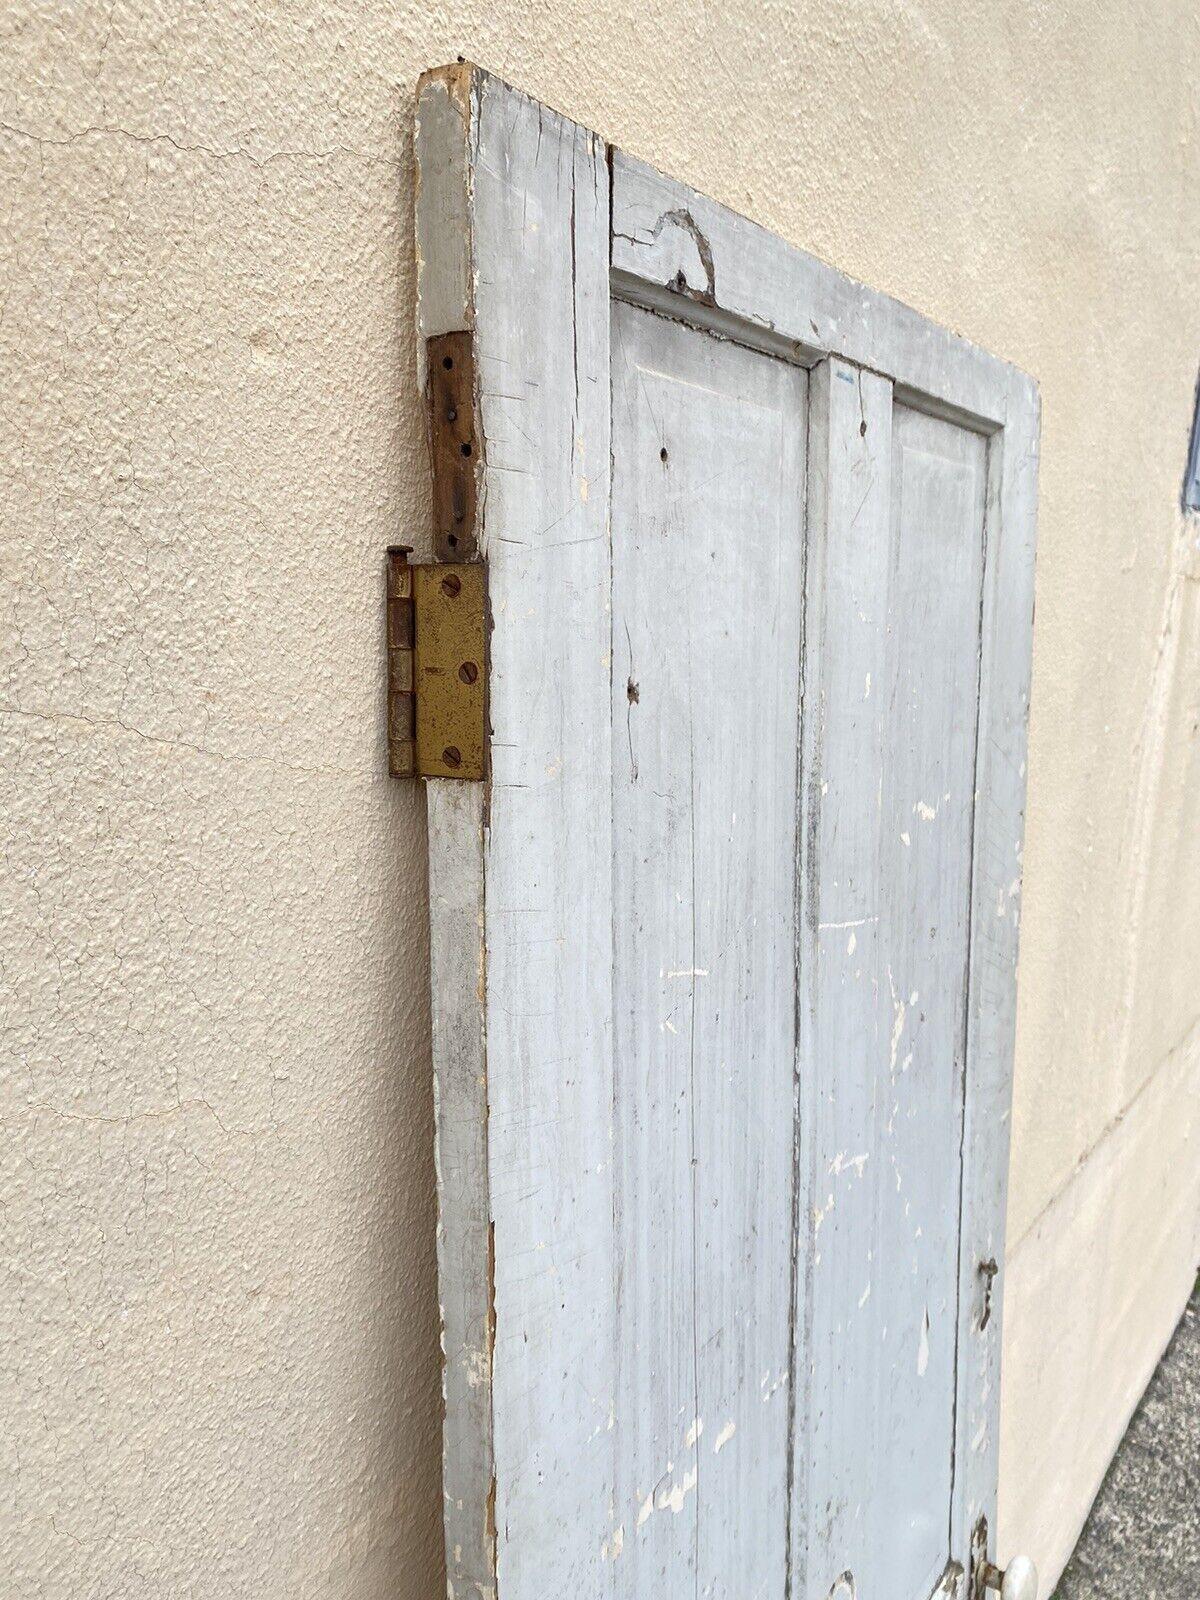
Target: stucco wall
[{"x": 218, "y": 1326}]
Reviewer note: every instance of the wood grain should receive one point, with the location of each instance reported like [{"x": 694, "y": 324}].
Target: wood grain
[{"x": 708, "y": 530}]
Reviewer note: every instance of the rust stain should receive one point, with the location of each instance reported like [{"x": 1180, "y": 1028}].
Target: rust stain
[{"x": 454, "y": 445}]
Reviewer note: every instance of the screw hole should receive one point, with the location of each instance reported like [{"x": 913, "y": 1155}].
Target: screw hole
[
  {"x": 447, "y": 362},
  {"x": 452, "y": 540},
  {"x": 465, "y": 449},
  {"x": 662, "y": 454},
  {"x": 862, "y": 430}
]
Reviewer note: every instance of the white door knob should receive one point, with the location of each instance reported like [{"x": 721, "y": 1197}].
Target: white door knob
[{"x": 1018, "y": 1581}]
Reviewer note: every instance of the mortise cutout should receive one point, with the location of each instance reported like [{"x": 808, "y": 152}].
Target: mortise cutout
[
  {"x": 1191, "y": 481},
  {"x": 452, "y": 438}
]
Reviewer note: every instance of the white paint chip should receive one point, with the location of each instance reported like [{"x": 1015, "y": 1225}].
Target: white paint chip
[
  {"x": 723, "y": 1438},
  {"x": 672, "y": 1499}
]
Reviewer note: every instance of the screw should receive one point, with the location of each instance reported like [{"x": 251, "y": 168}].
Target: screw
[
  {"x": 451, "y": 584},
  {"x": 468, "y": 672},
  {"x": 452, "y": 756}
]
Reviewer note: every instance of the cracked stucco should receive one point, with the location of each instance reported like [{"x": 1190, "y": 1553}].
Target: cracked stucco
[{"x": 218, "y": 1327}]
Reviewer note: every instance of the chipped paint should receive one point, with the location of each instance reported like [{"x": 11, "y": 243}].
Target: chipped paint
[{"x": 723, "y": 1438}]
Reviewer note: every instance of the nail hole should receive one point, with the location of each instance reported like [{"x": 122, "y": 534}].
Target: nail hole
[
  {"x": 447, "y": 362},
  {"x": 452, "y": 414},
  {"x": 452, "y": 540},
  {"x": 632, "y": 693},
  {"x": 662, "y": 454},
  {"x": 465, "y": 449},
  {"x": 468, "y": 672},
  {"x": 862, "y": 429}
]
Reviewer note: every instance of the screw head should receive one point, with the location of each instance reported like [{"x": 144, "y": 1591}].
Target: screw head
[
  {"x": 468, "y": 672},
  {"x": 451, "y": 584},
  {"x": 452, "y": 756}
]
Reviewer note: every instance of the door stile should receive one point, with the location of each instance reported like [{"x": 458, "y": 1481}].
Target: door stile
[
  {"x": 513, "y": 247},
  {"x": 1005, "y": 670}
]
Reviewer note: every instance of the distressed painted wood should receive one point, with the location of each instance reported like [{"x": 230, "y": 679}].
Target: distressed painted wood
[
  {"x": 894, "y": 591},
  {"x": 673, "y": 981},
  {"x": 538, "y": 1478},
  {"x": 669, "y": 241},
  {"x": 1007, "y": 628},
  {"x": 707, "y": 565},
  {"x": 445, "y": 304},
  {"x": 460, "y": 1109}
]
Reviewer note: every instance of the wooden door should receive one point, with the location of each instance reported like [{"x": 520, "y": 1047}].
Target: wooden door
[{"x": 724, "y": 948}]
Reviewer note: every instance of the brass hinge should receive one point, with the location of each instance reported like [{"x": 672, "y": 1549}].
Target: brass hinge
[{"x": 436, "y": 668}]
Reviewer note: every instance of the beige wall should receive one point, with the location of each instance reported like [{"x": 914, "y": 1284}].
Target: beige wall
[{"x": 218, "y": 1329}]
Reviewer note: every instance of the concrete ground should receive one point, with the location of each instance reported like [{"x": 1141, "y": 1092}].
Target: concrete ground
[{"x": 1142, "y": 1539}]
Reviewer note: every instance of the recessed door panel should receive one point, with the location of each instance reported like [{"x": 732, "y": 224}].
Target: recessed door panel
[
  {"x": 707, "y": 539},
  {"x": 896, "y": 558}
]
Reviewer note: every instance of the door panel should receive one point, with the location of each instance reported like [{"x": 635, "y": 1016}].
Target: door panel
[
  {"x": 895, "y": 571},
  {"x": 707, "y": 537}
]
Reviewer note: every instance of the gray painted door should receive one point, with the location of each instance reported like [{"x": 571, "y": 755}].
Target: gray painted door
[{"x": 724, "y": 949}]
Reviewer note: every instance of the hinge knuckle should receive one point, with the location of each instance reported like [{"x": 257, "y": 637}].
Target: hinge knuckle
[{"x": 400, "y": 641}]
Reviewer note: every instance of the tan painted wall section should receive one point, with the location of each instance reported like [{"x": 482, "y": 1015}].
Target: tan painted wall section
[{"x": 218, "y": 1328}]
